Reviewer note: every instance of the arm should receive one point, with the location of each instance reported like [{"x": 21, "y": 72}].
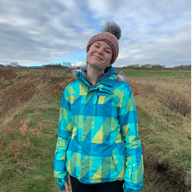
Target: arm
[
  {"x": 64, "y": 135},
  {"x": 133, "y": 176}
]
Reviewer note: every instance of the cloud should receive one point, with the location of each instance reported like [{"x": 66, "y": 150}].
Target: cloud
[
  {"x": 47, "y": 30},
  {"x": 168, "y": 49}
]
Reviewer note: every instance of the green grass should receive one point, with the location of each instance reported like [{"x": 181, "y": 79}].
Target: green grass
[
  {"x": 158, "y": 74},
  {"x": 165, "y": 133},
  {"x": 167, "y": 143},
  {"x": 163, "y": 137},
  {"x": 33, "y": 170}
]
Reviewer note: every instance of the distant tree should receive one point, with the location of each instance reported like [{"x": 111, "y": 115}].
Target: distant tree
[
  {"x": 146, "y": 66},
  {"x": 158, "y": 66}
]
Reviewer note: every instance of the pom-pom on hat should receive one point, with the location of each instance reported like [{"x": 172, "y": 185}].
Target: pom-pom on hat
[{"x": 111, "y": 34}]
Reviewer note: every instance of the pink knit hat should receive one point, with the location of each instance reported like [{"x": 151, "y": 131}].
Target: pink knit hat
[{"x": 111, "y": 34}]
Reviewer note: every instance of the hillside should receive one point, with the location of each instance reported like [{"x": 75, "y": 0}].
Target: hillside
[{"x": 29, "y": 111}]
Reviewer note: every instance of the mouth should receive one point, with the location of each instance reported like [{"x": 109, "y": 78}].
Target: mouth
[{"x": 97, "y": 57}]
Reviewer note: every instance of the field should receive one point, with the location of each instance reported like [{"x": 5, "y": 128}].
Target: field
[{"x": 29, "y": 112}]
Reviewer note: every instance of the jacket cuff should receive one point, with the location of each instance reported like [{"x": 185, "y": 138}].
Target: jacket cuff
[
  {"x": 60, "y": 184},
  {"x": 130, "y": 187}
]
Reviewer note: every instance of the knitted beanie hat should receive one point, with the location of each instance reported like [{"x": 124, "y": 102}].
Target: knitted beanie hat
[{"x": 111, "y": 34}]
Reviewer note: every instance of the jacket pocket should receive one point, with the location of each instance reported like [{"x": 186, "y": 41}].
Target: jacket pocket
[
  {"x": 131, "y": 176},
  {"x": 117, "y": 159}
]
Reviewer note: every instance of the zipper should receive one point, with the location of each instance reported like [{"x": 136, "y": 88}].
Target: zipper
[
  {"x": 96, "y": 105},
  {"x": 84, "y": 81},
  {"x": 132, "y": 172}
]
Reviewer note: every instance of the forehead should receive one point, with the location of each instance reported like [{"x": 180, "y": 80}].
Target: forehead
[{"x": 103, "y": 43}]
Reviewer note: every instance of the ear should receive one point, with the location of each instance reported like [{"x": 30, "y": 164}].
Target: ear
[
  {"x": 110, "y": 62},
  {"x": 112, "y": 59}
]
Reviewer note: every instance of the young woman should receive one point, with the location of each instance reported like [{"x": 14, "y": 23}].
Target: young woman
[{"x": 98, "y": 141}]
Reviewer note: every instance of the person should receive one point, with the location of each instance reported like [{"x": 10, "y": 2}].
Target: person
[{"x": 98, "y": 140}]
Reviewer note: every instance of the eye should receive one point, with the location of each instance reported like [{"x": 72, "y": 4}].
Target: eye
[
  {"x": 97, "y": 46},
  {"x": 108, "y": 51}
]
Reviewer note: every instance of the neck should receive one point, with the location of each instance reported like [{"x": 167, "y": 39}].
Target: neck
[{"x": 93, "y": 74}]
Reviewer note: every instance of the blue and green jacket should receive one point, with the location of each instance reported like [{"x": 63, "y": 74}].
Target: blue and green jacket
[{"x": 98, "y": 139}]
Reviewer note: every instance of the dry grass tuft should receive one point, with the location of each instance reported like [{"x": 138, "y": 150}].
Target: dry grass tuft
[
  {"x": 41, "y": 126},
  {"x": 23, "y": 129},
  {"x": 1, "y": 147},
  {"x": 28, "y": 144},
  {"x": 37, "y": 133},
  {"x": 176, "y": 102},
  {"x": 14, "y": 151},
  {"x": 149, "y": 88}
]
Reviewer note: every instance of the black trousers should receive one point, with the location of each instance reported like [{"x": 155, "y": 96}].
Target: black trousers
[{"x": 115, "y": 186}]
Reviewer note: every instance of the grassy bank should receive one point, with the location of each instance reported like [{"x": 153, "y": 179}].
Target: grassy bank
[
  {"x": 163, "y": 101},
  {"x": 28, "y": 129},
  {"x": 26, "y": 163}
]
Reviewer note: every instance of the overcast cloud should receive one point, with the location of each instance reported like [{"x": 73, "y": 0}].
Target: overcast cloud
[{"x": 44, "y": 31}]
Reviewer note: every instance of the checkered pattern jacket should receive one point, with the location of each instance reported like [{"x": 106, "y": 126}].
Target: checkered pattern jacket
[{"x": 98, "y": 139}]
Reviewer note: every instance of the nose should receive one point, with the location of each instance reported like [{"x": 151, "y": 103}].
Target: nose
[{"x": 100, "y": 51}]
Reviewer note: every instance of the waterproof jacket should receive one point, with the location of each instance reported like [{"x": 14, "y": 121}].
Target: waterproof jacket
[{"x": 98, "y": 139}]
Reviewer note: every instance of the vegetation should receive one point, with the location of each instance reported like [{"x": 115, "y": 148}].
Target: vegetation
[
  {"x": 163, "y": 101},
  {"x": 29, "y": 112}
]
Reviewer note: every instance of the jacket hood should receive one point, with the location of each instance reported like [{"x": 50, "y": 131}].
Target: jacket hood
[{"x": 111, "y": 72}]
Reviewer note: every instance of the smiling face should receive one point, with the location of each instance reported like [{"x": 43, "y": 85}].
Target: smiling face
[{"x": 99, "y": 55}]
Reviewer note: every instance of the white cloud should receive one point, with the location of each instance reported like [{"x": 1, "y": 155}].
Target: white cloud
[
  {"x": 166, "y": 50},
  {"x": 43, "y": 31}
]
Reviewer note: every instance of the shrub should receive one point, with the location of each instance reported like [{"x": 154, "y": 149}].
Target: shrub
[
  {"x": 149, "y": 88},
  {"x": 176, "y": 102}
]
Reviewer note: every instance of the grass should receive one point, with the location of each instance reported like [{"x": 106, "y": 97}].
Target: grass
[
  {"x": 165, "y": 132},
  {"x": 27, "y": 161},
  {"x": 28, "y": 136},
  {"x": 158, "y": 74},
  {"x": 165, "y": 141},
  {"x": 27, "y": 133}
]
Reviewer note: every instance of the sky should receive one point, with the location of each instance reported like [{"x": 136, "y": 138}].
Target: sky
[{"x": 36, "y": 32}]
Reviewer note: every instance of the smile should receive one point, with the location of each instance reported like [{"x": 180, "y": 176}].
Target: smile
[{"x": 97, "y": 57}]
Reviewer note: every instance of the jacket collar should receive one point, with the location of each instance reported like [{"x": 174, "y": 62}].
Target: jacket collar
[{"x": 106, "y": 80}]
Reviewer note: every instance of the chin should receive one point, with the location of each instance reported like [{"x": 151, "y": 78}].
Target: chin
[{"x": 97, "y": 66}]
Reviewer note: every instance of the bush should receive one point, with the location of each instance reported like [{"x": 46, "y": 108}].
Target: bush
[
  {"x": 149, "y": 88},
  {"x": 176, "y": 102}
]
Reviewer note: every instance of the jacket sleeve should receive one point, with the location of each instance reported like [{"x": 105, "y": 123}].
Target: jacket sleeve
[
  {"x": 133, "y": 177},
  {"x": 64, "y": 135}
]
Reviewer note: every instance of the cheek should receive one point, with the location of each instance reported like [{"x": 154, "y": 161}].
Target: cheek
[
  {"x": 110, "y": 59},
  {"x": 88, "y": 54}
]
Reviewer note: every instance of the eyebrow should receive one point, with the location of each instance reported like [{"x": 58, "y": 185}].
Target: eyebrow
[{"x": 106, "y": 47}]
